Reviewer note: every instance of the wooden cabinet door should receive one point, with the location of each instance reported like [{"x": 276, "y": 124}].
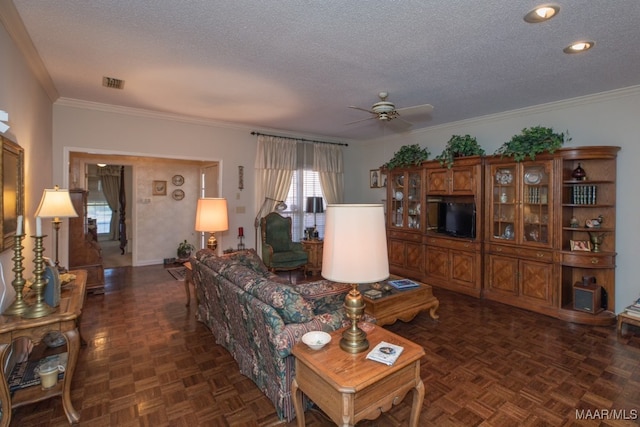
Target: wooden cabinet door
[
  {"x": 536, "y": 282},
  {"x": 413, "y": 257},
  {"x": 436, "y": 262},
  {"x": 396, "y": 253},
  {"x": 502, "y": 275},
  {"x": 462, "y": 180},
  {"x": 438, "y": 181},
  {"x": 463, "y": 268}
]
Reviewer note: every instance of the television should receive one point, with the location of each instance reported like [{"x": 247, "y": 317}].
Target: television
[{"x": 457, "y": 219}]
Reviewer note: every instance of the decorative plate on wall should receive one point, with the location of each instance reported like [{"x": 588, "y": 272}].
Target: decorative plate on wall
[
  {"x": 177, "y": 180},
  {"x": 177, "y": 194}
]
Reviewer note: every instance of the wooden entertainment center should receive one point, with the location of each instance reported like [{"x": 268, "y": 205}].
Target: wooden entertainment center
[{"x": 528, "y": 234}]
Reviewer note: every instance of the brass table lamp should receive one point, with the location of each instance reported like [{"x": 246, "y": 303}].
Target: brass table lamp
[{"x": 355, "y": 251}]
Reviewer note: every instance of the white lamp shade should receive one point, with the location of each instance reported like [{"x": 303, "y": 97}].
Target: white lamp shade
[
  {"x": 56, "y": 203},
  {"x": 211, "y": 215},
  {"x": 355, "y": 244}
]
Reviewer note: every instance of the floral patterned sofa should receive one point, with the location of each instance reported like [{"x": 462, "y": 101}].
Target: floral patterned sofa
[{"x": 258, "y": 316}]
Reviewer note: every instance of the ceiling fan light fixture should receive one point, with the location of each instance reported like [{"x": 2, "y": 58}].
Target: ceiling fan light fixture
[
  {"x": 541, "y": 14},
  {"x": 579, "y": 47}
]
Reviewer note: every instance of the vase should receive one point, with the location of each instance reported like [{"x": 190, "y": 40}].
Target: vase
[{"x": 578, "y": 173}]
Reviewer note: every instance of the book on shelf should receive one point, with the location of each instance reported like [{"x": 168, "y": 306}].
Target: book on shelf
[
  {"x": 403, "y": 284},
  {"x": 25, "y": 374},
  {"x": 385, "y": 352}
]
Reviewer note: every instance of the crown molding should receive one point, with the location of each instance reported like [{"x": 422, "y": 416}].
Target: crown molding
[
  {"x": 541, "y": 108},
  {"x": 15, "y": 27}
]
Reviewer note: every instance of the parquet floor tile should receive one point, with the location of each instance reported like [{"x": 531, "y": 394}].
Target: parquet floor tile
[{"x": 148, "y": 362}]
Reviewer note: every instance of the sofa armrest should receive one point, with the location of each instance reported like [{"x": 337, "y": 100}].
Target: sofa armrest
[{"x": 292, "y": 333}]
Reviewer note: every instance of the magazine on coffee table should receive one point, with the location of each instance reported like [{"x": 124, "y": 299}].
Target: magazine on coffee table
[
  {"x": 385, "y": 352},
  {"x": 403, "y": 284}
]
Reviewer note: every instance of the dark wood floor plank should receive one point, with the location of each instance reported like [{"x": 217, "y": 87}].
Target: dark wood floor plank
[{"x": 148, "y": 362}]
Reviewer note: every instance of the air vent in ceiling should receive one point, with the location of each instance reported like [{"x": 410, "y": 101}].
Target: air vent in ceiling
[{"x": 112, "y": 83}]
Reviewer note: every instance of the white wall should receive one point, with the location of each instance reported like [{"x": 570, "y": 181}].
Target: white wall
[
  {"x": 30, "y": 119},
  {"x": 131, "y": 132},
  {"x": 606, "y": 119}
]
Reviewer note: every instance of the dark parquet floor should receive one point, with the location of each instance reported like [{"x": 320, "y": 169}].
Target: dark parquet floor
[{"x": 148, "y": 362}]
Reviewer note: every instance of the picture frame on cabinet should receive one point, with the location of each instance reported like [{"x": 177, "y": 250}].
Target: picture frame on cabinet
[
  {"x": 374, "y": 178},
  {"x": 580, "y": 245},
  {"x": 383, "y": 180}
]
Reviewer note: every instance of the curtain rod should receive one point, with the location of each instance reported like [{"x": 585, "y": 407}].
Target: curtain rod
[{"x": 300, "y": 139}]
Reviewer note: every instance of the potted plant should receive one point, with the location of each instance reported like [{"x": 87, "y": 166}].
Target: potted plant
[
  {"x": 532, "y": 141},
  {"x": 184, "y": 249},
  {"x": 408, "y": 155},
  {"x": 459, "y": 146}
]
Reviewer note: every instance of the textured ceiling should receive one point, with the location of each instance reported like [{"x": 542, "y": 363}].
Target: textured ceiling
[{"x": 296, "y": 65}]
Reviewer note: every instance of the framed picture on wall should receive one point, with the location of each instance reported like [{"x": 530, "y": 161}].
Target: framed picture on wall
[
  {"x": 159, "y": 188},
  {"x": 374, "y": 178}
]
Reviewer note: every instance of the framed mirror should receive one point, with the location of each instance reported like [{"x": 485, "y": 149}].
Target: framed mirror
[{"x": 12, "y": 199}]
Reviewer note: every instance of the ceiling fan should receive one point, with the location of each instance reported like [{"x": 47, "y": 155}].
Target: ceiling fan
[{"x": 386, "y": 111}]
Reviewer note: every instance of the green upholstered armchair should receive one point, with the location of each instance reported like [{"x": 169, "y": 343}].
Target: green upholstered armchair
[{"x": 279, "y": 252}]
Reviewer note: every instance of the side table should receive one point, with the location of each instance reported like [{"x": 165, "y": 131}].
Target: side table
[
  {"x": 628, "y": 319},
  {"x": 314, "y": 250},
  {"x": 65, "y": 319},
  {"x": 350, "y": 388}
]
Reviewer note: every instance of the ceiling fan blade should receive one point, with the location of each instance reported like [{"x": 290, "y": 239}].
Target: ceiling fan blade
[
  {"x": 399, "y": 124},
  {"x": 362, "y": 120},
  {"x": 416, "y": 109},
  {"x": 362, "y": 109}
]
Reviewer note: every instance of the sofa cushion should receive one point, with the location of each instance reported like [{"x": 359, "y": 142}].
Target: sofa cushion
[
  {"x": 248, "y": 258},
  {"x": 325, "y": 295},
  {"x": 288, "y": 302}
]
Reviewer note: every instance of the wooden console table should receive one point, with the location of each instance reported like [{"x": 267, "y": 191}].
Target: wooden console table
[
  {"x": 350, "y": 388},
  {"x": 66, "y": 320}
]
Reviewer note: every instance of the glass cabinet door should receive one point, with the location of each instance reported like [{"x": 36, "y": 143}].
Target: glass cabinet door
[
  {"x": 397, "y": 209},
  {"x": 414, "y": 209},
  {"x": 405, "y": 193},
  {"x": 520, "y": 203},
  {"x": 536, "y": 203},
  {"x": 503, "y": 202}
]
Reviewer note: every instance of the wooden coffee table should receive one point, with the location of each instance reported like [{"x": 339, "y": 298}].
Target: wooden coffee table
[
  {"x": 400, "y": 305},
  {"x": 348, "y": 387}
]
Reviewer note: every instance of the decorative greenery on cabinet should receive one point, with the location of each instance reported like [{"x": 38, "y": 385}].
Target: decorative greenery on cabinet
[
  {"x": 408, "y": 155},
  {"x": 459, "y": 146},
  {"x": 532, "y": 141}
]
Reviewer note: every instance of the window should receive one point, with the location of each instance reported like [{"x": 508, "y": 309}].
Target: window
[
  {"x": 97, "y": 206},
  {"x": 305, "y": 183}
]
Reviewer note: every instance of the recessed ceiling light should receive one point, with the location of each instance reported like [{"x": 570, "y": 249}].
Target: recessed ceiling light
[
  {"x": 579, "y": 47},
  {"x": 541, "y": 14}
]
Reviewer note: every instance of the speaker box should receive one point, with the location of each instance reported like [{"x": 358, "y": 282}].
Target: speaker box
[{"x": 587, "y": 297}]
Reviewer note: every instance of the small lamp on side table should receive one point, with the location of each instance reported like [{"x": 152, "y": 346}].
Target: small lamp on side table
[
  {"x": 211, "y": 216},
  {"x": 355, "y": 251},
  {"x": 56, "y": 204},
  {"x": 315, "y": 206}
]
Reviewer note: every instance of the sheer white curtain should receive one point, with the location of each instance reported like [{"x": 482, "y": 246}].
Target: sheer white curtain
[
  {"x": 275, "y": 164},
  {"x": 327, "y": 161},
  {"x": 110, "y": 177}
]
